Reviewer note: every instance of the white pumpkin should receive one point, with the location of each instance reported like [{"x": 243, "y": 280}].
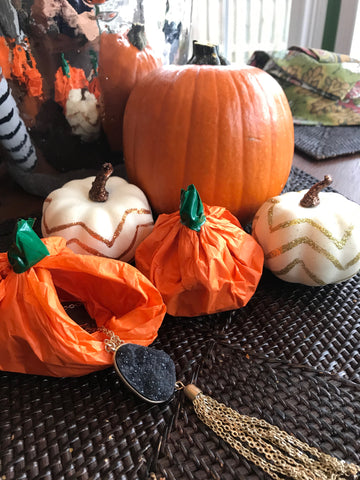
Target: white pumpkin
[
  {"x": 315, "y": 245},
  {"x": 110, "y": 226}
]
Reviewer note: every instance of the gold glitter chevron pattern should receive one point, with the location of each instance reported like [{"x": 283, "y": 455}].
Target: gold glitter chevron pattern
[
  {"x": 315, "y": 246},
  {"x": 108, "y": 242},
  {"x": 305, "y": 240},
  {"x": 314, "y": 278},
  {"x": 93, "y": 251},
  {"x": 297, "y": 221}
]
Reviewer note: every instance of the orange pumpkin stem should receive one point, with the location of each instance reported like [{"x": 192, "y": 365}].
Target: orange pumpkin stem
[
  {"x": 311, "y": 197},
  {"x": 98, "y": 192},
  {"x": 136, "y": 36}
]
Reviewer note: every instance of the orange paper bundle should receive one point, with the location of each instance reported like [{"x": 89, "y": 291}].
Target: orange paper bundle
[
  {"x": 200, "y": 259},
  {"x": 25, "y": 71},
  {"x": 5, "y": 58},
  {"x": 67, "y": 78},
  {"x": 37, "y": 336},
  {"x": 94, "y": 87}
]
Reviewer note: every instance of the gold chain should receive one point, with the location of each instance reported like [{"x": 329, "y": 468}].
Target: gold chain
[
  {"x": 71, "y": 306},
  {"x": 268, "y": 447},
  {"x": 113, "y": 342}
]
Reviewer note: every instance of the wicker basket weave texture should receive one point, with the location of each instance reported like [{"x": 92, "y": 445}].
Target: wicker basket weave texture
[{"x": 291, "y": 356}]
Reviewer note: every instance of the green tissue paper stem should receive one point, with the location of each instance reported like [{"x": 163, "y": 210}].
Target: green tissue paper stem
[
  {"x": 191, "y": 209},
  {"x": 65, "y": 66},
  {"x": 26, "y": 249}
]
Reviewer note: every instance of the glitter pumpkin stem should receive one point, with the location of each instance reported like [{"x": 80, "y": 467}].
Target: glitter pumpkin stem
[
  {"x": 98, "y": 192},
  {"x": 311, "y": 197}
]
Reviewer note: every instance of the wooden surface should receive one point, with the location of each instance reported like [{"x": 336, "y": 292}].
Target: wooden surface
[
  {"x": 345, "y": 172},
  {"x": 15, "y": 202}
]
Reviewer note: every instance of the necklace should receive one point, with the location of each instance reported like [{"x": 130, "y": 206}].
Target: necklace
[{"x": 150, "y": 374}]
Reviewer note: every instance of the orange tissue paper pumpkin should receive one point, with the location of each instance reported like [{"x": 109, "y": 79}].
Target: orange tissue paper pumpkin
[
  {"x": 37, "y": 335},
  {"x": 200, "y": 259}
]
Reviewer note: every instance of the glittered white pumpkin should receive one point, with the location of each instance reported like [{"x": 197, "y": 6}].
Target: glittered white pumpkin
[
  {"x": 111, "y": 227},
  {"x": 315, "y": 245}
]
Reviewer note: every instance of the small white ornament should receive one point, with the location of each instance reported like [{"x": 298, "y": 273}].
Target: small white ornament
[
  {"x": 108, "y": 222},
  {"x": 82, "y": 114},
  {"x": 314, "y": 245}
]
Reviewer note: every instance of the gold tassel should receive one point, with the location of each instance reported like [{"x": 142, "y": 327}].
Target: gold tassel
[{"x": 268, "y": 447}]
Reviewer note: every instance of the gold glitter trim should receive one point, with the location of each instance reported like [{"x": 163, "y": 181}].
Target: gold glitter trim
[
  {"x": 307, "y": 241},
  {"x": 93, "y": 251},
  {"x": 354, "y": 260},
  {"x": 313, "y": 277},
  {"x": 291, "y": 265},
  {"x": 340, "y": 244},
  {"x": 92, "y": 233}
]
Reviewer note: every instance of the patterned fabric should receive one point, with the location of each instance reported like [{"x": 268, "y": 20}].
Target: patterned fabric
[{"x": 323, "y": 88}]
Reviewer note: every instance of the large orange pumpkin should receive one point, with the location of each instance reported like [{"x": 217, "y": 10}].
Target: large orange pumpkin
[
  {"x": 123, "y": 60},
  {"x": 226, "y": 129}
]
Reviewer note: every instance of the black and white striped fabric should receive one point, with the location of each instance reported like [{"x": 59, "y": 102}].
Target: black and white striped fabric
[{"x": 13, "y": 133}]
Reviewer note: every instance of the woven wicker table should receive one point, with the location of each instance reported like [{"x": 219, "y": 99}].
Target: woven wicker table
[{"x": 291, "y": 356}]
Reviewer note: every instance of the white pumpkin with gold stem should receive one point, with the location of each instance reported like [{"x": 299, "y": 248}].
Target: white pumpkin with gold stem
[
  {"x": 109, "y": 222},
  {"x": 310, "y": 237}
]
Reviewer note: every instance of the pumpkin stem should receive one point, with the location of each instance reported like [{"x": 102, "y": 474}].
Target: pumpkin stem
[
  {"x": 26, "y": 249},
  {"x": 94, "y": 61},
  {"x": 311, "y": 197},
  {"x": 136, "y": 36},
  {"x": 98, "y": 192},
  {"x": 206, "y": 54},
  {"x": 65, "y": 66},
  {"x": 191, "y": 209}
]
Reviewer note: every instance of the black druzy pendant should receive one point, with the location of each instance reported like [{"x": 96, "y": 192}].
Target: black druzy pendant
[{"x": 148, "y": 372}]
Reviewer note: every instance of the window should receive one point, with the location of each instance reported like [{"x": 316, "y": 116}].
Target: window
[{"x": 240, "y": 27}]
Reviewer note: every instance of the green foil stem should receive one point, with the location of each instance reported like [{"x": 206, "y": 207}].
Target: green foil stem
[
  {"x": 26, "y": 249},
  {"x": 191, "y": 209},
  {"x": 65, "y": 66}
]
